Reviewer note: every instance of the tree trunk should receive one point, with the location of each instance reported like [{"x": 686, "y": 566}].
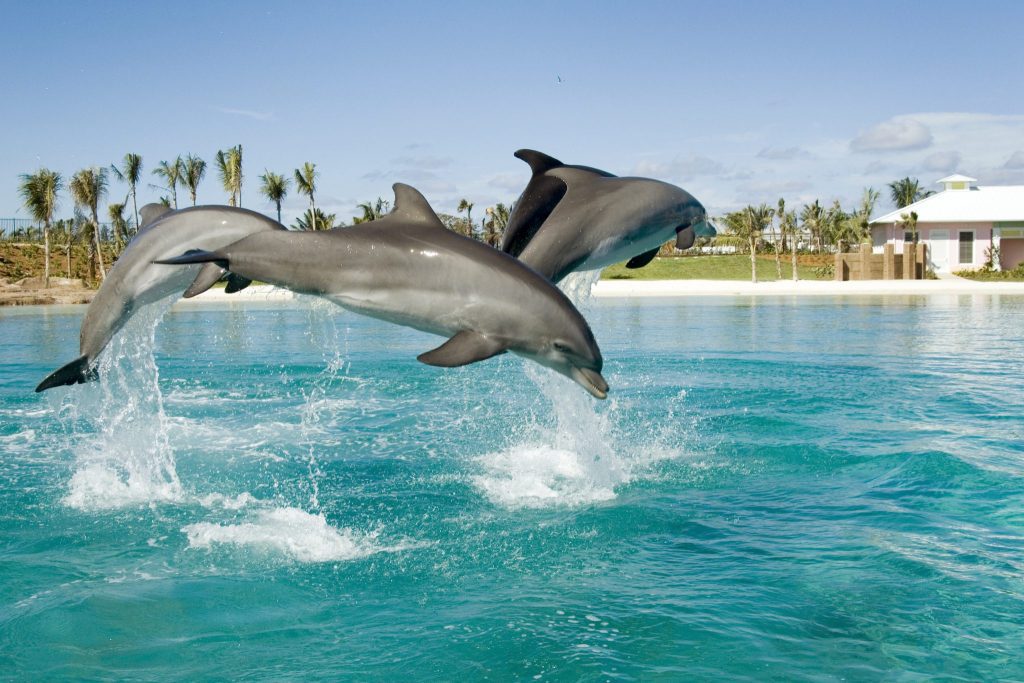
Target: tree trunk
[
  {"x": 778, "y": 255},
  {"x": 793, "y": 253},
  {"x": 135, "y": 206},
  {"x": 46, "y": 254},
  {"x": 278, "y": 210},
  {"x": 99, "y": 250},
  {"x": 312, "y": 210},
  {"x": 753, "y": 260}
]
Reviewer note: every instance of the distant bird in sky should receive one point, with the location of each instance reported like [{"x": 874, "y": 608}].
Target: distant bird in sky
[{"x": 558, "y": 77}]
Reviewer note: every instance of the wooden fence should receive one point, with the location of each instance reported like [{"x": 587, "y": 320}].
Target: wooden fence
[{"x": 912, "y": 264}]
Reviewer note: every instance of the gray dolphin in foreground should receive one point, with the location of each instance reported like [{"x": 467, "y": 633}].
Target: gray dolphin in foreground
[
  {"x": 407, "y": 268},
  {"x": 134, "y": 282},
  {"x": 574, "y": 218}
]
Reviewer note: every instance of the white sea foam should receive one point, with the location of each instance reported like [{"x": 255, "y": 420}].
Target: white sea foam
[
  {"x": 541, "y": 476},
  {"x": 292, "y": 532},
  {"x": 98, "y": 487}
]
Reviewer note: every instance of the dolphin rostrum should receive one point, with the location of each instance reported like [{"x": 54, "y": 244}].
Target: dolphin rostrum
[
  {"x": 134, "y": 282},
  {"x": 573, "y": 218},
  {"x": 407, "y": 268}
]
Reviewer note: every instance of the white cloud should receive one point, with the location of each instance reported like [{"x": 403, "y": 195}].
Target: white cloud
[
  {"x": 1015, "y": 161},
  {"x": 942, "y": 162},
  {"x": 679, "y": 168},
  {"x": 424, "y": 162},
  {"x": 247, "y": 113},
  {"x": 896, "y": 134},
  {"x": 513, "y": 182},
  {"x": 783, "y": 154}
]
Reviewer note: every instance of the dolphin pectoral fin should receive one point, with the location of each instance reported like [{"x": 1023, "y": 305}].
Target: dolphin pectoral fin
[
  {"x": 208, "y": 276},
  {"x": 75, "y": 372},
  {"x": 236, "y": 283},
  {"x": 464, "y": 348},
  {"x": 685, "y": 238},
  {"x": 643, "y": 259}
]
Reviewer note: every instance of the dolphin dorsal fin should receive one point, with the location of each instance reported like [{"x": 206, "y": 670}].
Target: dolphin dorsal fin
[
  {"x": 410, "y": 205},
  {"x": 151, "y": 212},
  {"x": 539, "y": 161}
]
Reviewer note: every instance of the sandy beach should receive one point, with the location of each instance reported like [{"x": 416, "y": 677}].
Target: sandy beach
[
  {"x": 603, "y": 289},
  {"x": 690, "y": 288}
]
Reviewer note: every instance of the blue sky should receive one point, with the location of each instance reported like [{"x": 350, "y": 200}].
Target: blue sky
[{"x": 738, "y": 102}]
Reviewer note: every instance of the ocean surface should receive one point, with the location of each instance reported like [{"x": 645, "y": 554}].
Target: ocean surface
[{"x": 777, "y": 489}]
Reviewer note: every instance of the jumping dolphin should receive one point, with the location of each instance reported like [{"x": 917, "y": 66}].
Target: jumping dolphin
[
  {"x": 572, "y": 218},
  {"x": 407, "y": 268},
  {"x": 133, "y": 282}
]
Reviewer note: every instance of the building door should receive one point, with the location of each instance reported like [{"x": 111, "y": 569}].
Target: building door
[
  {"x": 966, "y": 255},
  {"x": 938, "y": 250}
]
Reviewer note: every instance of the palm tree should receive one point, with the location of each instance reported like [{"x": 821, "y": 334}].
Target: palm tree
[
  {"x": 274, "y": 188},
  {"x": 88, "y": 187},
  {"x": 812, "y": 217},
  {"x": 229, "y": 168},
  {"x": 910, "y": 224},
  {"x": 118, "y": 223},
  {"x": 314, "y": 217},
  {"x": 131, "y": 173},
  {"x": 192, "y": 171},
  {"x": 748, "y": 225},
  {"x": 66, "y": 230},
  {"x": 372, "y": 211},
  {"x": 498, "y": 221},
  {"x": 906, "y": 191},
  {"x": 39, "y": 192},
  {"x": 305, "y": 183},
  {"x": 787, "y": 226},
  {"x": 172, "y": 175},
  {"x": 838, "y": 227},
  {"x": 779, "y": 237},
  {"x": 467, "y": 206}
]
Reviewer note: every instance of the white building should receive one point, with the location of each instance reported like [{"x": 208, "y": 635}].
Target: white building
[{"x": 960, "y": 224}]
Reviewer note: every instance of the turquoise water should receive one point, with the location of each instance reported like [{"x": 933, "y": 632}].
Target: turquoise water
[{"x": 778, "y": 489}]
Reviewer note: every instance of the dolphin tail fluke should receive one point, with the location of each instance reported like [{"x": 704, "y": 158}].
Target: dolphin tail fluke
[
  {"x": 464, "y": 348},
  {"x": 75, "y": 372},
  {"x": 195, "y": 256}
]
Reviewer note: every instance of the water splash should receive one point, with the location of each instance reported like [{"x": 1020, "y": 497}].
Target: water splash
[
  {"x": 295, "y": 533},
  {"x": 571, "y": 456},
  {"x": 117, "y": 427}
]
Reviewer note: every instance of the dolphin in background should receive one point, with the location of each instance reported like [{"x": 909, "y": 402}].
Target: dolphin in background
[
  {"x": 133, "y": 281},
  {"x": 407, "y": 268},
  {"x": 576, "y": 218}
]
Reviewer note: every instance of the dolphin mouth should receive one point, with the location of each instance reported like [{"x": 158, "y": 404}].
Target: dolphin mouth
[{"x": 591, "y": 380}]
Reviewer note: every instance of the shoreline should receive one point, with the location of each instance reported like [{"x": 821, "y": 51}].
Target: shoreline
[
  {"x": 605, "y": 289},
  {"x": 688, "y": 288}
]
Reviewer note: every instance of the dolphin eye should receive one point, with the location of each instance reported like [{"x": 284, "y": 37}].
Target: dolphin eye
[{"x": 559, "y": 346}]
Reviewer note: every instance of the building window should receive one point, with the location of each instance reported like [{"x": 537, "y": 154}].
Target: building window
[{"x": 966, "y": 247}]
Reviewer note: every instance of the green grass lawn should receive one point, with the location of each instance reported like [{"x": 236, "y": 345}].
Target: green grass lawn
[
  {"x": 1015, "y": 275},
  {"x": 724, "y": 267}
]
